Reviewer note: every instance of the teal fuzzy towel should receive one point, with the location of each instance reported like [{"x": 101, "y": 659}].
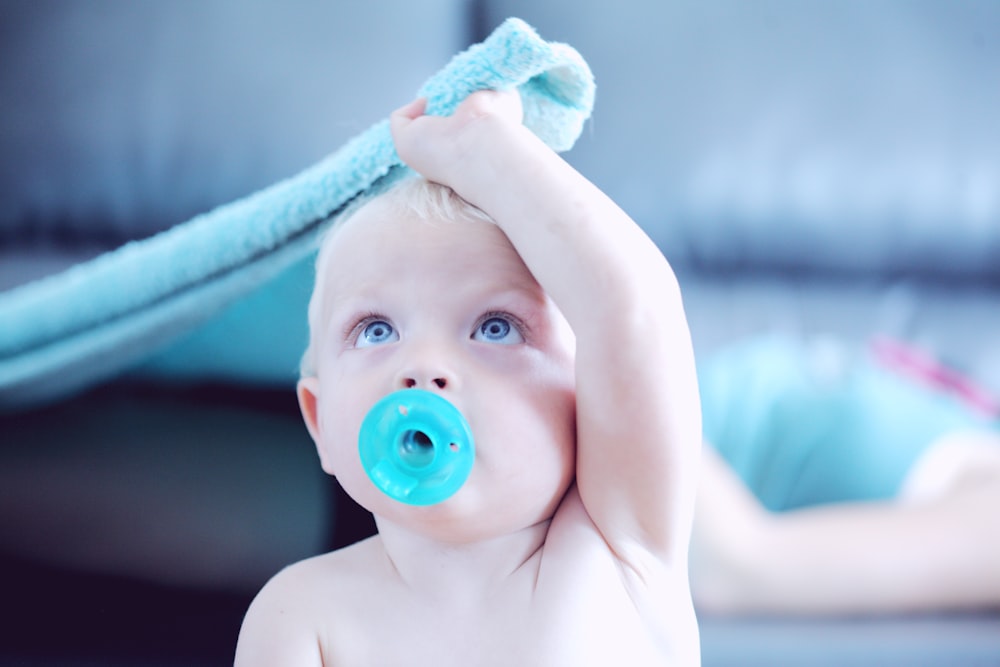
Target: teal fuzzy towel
[{"x": 96, "y": 320}]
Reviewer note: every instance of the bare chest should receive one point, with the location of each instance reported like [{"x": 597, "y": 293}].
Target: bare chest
[{"x": 567, "y": 612}]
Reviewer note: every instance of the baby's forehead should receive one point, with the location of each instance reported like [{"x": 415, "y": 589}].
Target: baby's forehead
[
  {"x": 392, "y": 216},
  {"x": 386, "y": 234}
]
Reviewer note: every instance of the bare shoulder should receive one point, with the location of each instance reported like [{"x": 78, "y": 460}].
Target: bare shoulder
[
  {"x": 293, "y": 616},
  {"x": 316, "y": 577}
]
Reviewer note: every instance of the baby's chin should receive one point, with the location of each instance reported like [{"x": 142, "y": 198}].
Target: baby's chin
[{"x": 456, "y": 522}]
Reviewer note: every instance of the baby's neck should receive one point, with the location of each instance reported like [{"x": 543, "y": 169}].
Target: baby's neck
[{"x": 459, "y": 572}]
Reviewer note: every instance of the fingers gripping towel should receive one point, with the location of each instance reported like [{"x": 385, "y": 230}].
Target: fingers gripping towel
[{"x": 95, "y": 320}]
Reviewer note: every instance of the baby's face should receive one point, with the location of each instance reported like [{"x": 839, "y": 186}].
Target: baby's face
[{"x": 449, "y": 307}]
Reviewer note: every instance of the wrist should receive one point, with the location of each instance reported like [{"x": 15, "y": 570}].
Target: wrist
[{"x": 489, "y": 150}]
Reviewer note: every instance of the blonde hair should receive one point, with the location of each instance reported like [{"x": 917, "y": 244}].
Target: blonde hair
[{"x": 415, "y": 195}]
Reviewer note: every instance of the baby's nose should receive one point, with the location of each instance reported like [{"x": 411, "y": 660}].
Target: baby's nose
[
  {"x": 428, "y": 363},
  {"x": 415, "y": 383},
  {"x": 432, "y": 376}
]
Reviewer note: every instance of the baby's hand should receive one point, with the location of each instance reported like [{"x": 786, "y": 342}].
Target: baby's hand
[{"x": 441, "y": 148}]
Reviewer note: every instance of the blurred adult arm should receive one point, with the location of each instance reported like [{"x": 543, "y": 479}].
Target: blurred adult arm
[{"x": 935, "y": 547}]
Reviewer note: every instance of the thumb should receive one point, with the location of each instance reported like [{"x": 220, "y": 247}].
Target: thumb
[{"x": 408, "y": 112}]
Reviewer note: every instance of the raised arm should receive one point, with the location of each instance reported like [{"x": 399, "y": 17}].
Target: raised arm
[{"x": 638, "y": 416}]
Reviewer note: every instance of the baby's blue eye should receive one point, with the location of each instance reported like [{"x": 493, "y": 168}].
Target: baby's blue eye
[
  {"x": 376, "y": 332},
  {"x": 498, "y": 329}
]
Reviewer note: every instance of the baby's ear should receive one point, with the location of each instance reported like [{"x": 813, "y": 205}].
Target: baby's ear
[{"x": 308, "y": 392}]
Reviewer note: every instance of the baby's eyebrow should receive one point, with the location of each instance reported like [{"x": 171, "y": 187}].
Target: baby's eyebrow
[
  {"x": 529, "y": 304},
  {"x": 352, "y": 289},
  {"x": 524, "y": 297},
  {"x": 347, "y": 306}
]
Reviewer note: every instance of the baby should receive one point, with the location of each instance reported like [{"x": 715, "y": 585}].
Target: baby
[{"x": 522, "y": 294}]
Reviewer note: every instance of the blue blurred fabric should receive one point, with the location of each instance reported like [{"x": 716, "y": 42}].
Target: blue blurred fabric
[{"x": 812, "y": 422}]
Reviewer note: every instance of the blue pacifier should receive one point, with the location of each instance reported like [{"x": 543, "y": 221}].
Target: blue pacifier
[{"x": 416, "y": 447}]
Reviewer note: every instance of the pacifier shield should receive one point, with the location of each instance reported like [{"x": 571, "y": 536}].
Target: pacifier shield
[{"x": 416, "y": 447}]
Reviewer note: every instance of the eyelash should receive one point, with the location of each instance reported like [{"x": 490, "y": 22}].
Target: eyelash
[
  {"x": 514, "y": 320},
  {"x": 352, "y": 331}
]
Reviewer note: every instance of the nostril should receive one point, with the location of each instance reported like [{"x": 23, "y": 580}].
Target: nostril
[{"x": 416, "y": 382}]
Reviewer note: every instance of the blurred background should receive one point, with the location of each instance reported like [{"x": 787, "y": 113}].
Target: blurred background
[{"x": 820, "y": 169}]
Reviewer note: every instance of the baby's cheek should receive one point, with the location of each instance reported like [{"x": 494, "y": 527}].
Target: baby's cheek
[
  {"x": 342, "y": 424},
  {"x": 554, "y": 418},
  {"x": 559, "y": 399}
]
